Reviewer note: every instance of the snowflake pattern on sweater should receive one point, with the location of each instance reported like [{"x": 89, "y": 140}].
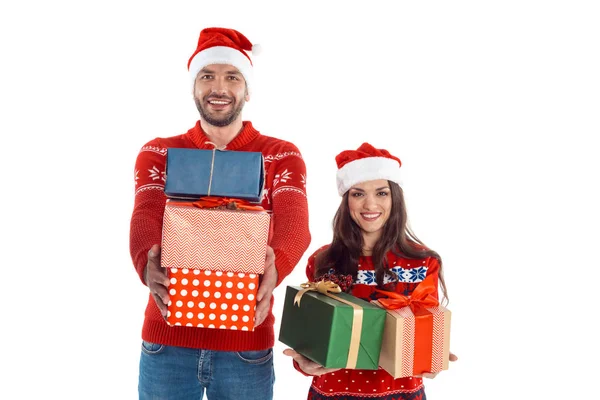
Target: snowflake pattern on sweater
[
  {"x": 152, "y": 175},
  {"x": 412, "y": 275},
  {"x": 284, "y": 198}
]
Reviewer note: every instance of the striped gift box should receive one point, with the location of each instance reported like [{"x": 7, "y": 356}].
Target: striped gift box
[
  {"x": 412, "y": 346},
  {"x": 214, "y": 258}
]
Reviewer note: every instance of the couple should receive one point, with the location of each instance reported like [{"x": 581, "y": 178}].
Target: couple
[{"x": 371, "y": 242}]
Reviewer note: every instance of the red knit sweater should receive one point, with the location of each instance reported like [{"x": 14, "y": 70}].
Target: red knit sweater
[
  {"x": 376, "y": 384},
  {"x": 284, "y": 197}
]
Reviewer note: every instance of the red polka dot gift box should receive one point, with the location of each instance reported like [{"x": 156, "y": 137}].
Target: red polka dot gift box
[
  {"x": 416, "y": 333},
  {"x": 212, "y": 299},
  {"x": 214, "y": 256}
]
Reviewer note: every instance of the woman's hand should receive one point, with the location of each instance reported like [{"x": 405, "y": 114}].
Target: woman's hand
[
  {"x": 309, "y": 367},
  {"x": 452, "y": 357}
]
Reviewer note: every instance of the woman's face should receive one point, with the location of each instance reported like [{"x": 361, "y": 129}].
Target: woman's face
[{"x": 370, "y": 204}]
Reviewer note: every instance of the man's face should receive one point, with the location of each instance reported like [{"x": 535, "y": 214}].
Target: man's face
[{"x": 220, "y": 94}]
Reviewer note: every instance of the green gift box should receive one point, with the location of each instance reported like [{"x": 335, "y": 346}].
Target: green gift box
[{"x": 330, "y": 332}]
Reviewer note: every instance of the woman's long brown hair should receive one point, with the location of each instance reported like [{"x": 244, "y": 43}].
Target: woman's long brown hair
[{"x": 347, "y": 243}]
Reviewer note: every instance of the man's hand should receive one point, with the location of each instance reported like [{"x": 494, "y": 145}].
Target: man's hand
[
  {"x": 308, "y": 366},
  {"x": 265, "y": 290},
  {"x": 156, "y": 279},
  {"x": 451, "y": 357}
]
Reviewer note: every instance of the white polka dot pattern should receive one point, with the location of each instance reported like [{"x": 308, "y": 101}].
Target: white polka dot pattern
[{"x": 227, "y": 301}]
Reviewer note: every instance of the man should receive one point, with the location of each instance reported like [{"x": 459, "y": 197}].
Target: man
[{"x": 184, "y": 362}]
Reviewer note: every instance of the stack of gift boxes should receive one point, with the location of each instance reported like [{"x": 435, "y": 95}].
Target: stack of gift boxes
[
  {"x": 214, "y": 237},
  {"x": 404, "y": 335}
]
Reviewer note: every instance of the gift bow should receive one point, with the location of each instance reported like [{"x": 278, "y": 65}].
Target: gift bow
[
  {"x": 213, "y": 202},
  {"x": 328, "y": 288},
  {"x": 323, "y": 287},
  {"x": 420, "y": 299}
]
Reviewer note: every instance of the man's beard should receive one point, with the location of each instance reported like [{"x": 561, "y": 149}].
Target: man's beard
[{"x": 223, "y": 119}]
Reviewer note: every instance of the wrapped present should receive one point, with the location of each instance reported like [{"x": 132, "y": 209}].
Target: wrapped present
[
  {"x": 194, "y": 173},
  {"x": 334, "y": 329},
  {"x": 214, "y": 256},
  {"x": 212, "y": 299},
  {"x": 416, "y": 336}
]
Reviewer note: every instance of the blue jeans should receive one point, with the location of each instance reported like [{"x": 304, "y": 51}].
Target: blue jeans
[{"x": 169, "y": 372}]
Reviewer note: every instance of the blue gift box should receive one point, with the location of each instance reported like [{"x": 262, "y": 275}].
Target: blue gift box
[{"x": 194, "y": 173}]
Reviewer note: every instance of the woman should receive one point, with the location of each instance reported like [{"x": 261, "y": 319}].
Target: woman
[{"x": 373, "y": 244}]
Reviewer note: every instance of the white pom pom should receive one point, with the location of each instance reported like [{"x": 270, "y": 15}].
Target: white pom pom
[{"x": 256, "y": 49}]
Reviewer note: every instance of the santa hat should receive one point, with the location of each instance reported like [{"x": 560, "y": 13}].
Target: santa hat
[
  {"x": 366, "y": 164},
  {"x": 222, "y": 46}
]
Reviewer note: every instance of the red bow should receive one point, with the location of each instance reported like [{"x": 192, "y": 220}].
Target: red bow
[
  {"x": 213, "y": 202},
  {"x": 420, "y": 299}
]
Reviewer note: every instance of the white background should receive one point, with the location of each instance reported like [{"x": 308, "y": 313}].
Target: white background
[{"x": 492, "y": 106}]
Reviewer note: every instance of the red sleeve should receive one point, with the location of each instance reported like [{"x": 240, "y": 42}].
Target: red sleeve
[
  {"x": 433, "y": 269},
  {"x": 291, "y": 236},
  {"x": 149, "y": 204},
  {"x": 310, "y": 266}
]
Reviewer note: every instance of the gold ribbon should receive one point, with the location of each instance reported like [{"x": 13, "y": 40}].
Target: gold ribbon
[
  {"x": 212, "y": 163},
  {"x": 327, "y": 288}
]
